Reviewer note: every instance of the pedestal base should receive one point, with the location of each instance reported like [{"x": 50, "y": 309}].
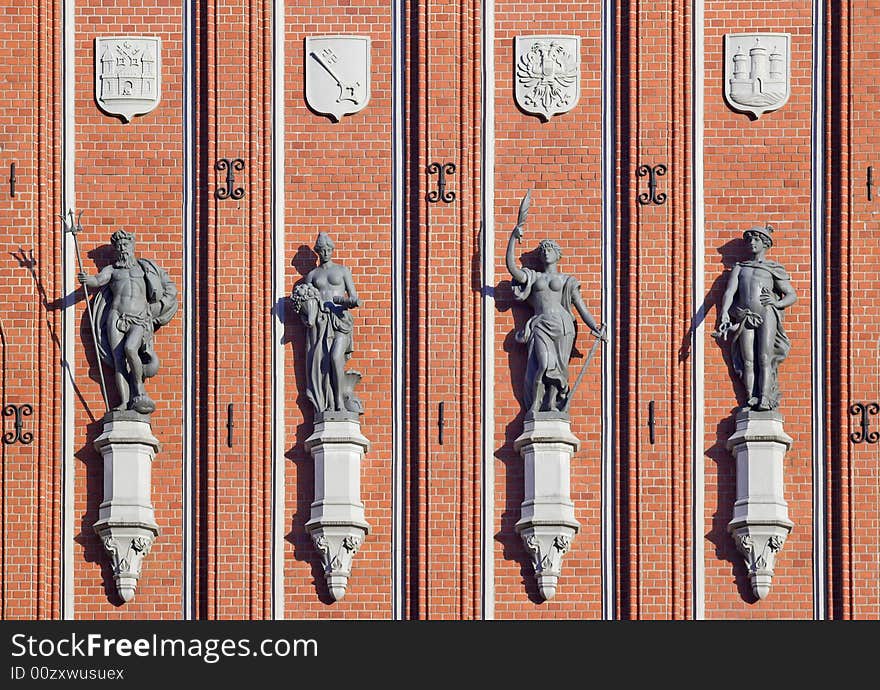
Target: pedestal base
[
  {"x": 126, "y": 524},
  {"x": 760, "y": 523},
  {"x": 547, "y": 524},
  {"x": 337, "y": 524}
]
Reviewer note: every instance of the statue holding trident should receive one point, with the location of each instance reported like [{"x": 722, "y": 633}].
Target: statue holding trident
[
  {"x": 550, "y": 332},
  {"x": 137, "y": 297},
  {"x": 134, "y": 298}
]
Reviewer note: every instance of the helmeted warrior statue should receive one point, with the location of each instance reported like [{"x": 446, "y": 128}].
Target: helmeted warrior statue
[{"x": 751, "y": 313}]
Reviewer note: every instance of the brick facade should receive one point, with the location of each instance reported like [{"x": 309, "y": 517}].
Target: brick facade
[{"x": 653, "y": 513}]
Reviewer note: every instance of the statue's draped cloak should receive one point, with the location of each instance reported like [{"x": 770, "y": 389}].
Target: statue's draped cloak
[
  {"x": 555, "y": 330},
  {"x": 330, "y": 322},
  {"x": 325, "y": 323},
  {"x": 747, "y": 319}
]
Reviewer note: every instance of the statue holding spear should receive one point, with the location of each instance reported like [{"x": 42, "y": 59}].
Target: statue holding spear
[
  {"x": 74, "y": 227},
  {"x": 550, "y": 333},
  {"x": 136, "y": 297}
]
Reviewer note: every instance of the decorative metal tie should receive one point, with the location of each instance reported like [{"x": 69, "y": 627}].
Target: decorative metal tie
[
  {"x": 440, "y": 194},
  {"x": 865, "y": 410},
  {"x": 230, "y": 191},
  {"x": 651, "y": 196},
  {"x": 20, "y": 411}
]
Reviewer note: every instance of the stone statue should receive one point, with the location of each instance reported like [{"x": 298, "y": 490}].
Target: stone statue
[
  {"x": 324, "y": 301},
  {"x": 751, "y": 313},
  {"x": 550, "y": 332},
  {"x": 137, "y": 297}
]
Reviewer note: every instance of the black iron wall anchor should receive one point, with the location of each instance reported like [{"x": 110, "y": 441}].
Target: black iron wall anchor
[
  {"x": 12, "y": 179},
  {"x": 441, "y": 424},
  {"x": 230, "y": 191},
  {"x": 440, "y": 194},
  {"x": 651, "y": 196},
  {"x": 20, "y": 411},
  {"x": 230, "y": 425},
  {"x": 870, "y": 182},
  {"x": 865, "y": 410},
  {"x": 651, "y": 422}
]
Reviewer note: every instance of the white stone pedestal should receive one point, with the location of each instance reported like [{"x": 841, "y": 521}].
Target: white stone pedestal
[
  {"x": 126, "y": 523},
  {"x": 760, "y": 521},
  {"x": 547, "y": 524},
  {"x": 337, "y": 524}
]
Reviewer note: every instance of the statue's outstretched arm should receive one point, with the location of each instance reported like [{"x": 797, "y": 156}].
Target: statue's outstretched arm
[
  {"x": 96, "y": 281},
  {"x": 518, "y": 274},
  {"x": 586, "y": 315}
]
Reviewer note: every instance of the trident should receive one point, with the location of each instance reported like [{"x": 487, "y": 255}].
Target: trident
[{"x": 74, "y": 228}]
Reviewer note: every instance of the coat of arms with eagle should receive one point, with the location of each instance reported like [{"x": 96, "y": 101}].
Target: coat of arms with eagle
[{"x": 547, "y": 74}]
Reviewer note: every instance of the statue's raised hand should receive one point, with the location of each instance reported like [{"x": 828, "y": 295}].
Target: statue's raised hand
[{"x": 517, "y": 233}]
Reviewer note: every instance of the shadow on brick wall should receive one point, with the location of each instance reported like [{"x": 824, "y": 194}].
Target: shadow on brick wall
[
  {"x": 512, "y": 546},
  {"x": 295, "y": 334}
]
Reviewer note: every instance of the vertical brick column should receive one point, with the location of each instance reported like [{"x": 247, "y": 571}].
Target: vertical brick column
[
  {"x": 443, "y": 363},
  {"x": 758, "y": 171},
  {"x": 235, "y": 306},
  {"x": 853, "y": 351},
  {"x": 338, "y": 181},
  {"x": 128, "y": 176},
  {"x": 30, "y": 325},
  {"x": 654, "y": 297}
]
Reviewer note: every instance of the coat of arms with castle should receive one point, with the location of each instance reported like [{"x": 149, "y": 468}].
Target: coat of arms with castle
[
  {"x": 756, "y": 71},
  {"x": 128, "y": 74}
]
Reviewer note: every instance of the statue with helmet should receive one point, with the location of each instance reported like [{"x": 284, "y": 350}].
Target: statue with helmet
[{"x": 757, "y": 292}]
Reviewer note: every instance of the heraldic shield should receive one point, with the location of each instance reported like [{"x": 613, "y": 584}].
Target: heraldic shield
[
  {"x": 337, "y": 73},
  {"x": 547, "y": 74},
  {"x": 757, "y": 72},
  {"x": 128, "y": 74}
]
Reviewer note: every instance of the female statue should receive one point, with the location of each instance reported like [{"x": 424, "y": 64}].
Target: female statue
[
  {"x": 550, "y": 332},
  {"x": 324, "y": 301}
]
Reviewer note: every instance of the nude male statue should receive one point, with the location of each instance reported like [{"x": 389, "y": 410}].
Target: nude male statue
[{"x": 137, "y": 298}]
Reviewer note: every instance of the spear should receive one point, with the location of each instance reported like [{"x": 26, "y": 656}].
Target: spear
[
  {"x": 584, "y": 368},
  {"x": 74, "y": 229}
]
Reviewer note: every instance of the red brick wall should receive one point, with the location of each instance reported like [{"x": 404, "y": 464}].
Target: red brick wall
[
  {"x": 758, "y": 171},
  {"x": 235, "y": 307},
  {"x": 560, "y": 161},
  {"x": 338, "y": 180},
  {"x": 443, "y": 328},
  {"x": 852, "y": 355},
  {"x": 654, "y": 297},
  {"x": 31, "y": 324},
  {"x": 129, "y": 176}
]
